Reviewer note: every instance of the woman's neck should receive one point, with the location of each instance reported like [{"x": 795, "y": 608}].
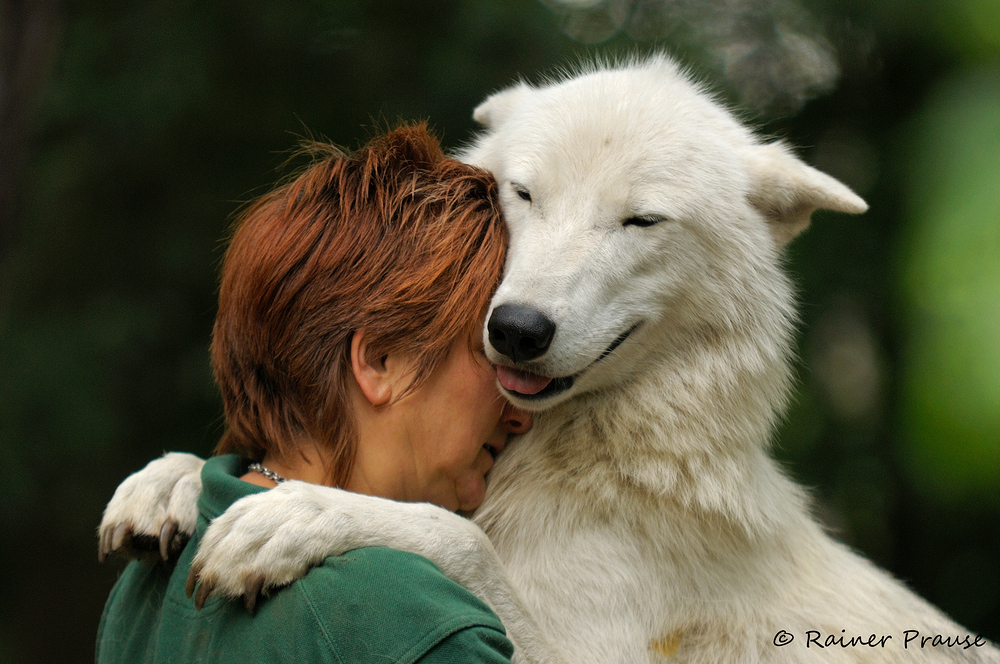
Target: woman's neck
[{"x": 306, "y": 464}]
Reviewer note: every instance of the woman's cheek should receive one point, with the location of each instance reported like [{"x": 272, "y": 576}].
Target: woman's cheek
[{"x": 471, "y": 491}]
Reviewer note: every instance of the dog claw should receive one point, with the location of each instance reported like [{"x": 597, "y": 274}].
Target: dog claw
[
  {"x": 192, "y": 580},
  {"x": 250, "y": 593},
  {"x": 102, "y": 546},
  {"x": 204, "y": 590},
  {"x": 118, "y": 538},
  {"x": 167, "y": 533}
]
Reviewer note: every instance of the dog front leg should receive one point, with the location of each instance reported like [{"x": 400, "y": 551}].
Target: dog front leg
[{"x": 270, "y": 539}]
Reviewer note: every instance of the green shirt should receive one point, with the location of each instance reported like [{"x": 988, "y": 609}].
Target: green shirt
[{"x": 368, "y": 605}]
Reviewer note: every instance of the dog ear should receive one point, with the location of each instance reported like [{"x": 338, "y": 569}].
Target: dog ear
[
  {"x": 787, "y": 191},
  {"x": 499, "y": 105}
]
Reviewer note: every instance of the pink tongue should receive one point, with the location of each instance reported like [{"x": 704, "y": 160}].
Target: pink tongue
[{"x": 521, "y": 382}]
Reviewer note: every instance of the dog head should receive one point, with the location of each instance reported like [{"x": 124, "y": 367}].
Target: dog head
[{"x": 641, "y": 212}]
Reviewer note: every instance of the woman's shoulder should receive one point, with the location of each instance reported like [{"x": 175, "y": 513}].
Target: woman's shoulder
[
  {"x": 400, "y": 601},
  {"x": 396, "y": 581}
]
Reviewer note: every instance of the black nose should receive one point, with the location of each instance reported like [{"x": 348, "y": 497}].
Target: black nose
[{"x": 520, "y": 333}]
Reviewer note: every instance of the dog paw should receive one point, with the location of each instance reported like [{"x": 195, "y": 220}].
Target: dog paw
[
  {"x": 155, "y": 510},
  {"x": 267, "y": 540}
]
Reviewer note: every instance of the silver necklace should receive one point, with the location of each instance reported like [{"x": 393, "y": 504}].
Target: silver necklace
[{"x": 266, "y": 472}]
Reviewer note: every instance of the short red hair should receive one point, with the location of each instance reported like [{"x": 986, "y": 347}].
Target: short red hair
[{"x": 396, "y": 239}]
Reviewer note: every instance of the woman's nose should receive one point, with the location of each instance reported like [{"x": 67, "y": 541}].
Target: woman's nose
[{"x": 515, "y": 420}]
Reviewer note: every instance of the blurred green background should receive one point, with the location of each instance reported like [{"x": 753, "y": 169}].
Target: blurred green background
[{"x": 130, "y": 132}]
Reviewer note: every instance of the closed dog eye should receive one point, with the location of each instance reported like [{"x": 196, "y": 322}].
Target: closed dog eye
[
  {"x": 643, "y": 221},
  {"x": 522, "y": 192}
]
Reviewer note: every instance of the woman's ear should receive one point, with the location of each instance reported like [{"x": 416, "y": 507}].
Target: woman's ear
[{"x": 374, "y": 379}]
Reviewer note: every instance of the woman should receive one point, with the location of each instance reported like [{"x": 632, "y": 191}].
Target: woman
[{"x": 347, "y": 348}]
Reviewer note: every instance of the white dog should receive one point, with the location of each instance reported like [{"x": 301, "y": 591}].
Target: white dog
[{"x": 645, "y": 318}]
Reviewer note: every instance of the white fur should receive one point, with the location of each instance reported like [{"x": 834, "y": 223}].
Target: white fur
[
  {"x": 165, "y": 490},
  {"x": 642, "y": 519},
  {"x": 278, "y": 535}
]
